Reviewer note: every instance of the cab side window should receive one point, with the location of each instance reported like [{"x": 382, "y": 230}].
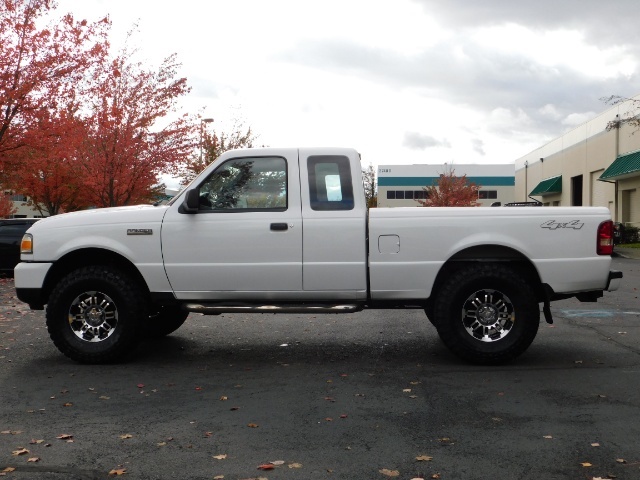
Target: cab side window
[
  {"x": 246, "y": 184},
  {"x": 330, "y": 186}
]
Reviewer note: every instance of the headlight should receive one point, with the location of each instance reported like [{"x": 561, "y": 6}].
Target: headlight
[{"x": 26, "y": 246}]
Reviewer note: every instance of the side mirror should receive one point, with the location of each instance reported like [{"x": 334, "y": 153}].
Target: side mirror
[{"x": 191, "y": 202}]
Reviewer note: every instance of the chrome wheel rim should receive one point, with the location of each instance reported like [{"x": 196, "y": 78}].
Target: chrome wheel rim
[
  {"x": 93, "y": 316},
  {"x": 488, "y": 315}
]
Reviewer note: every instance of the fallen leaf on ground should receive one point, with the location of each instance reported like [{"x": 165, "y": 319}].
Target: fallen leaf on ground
[
  {"x": 33, "y": 441},
  {"x": 224, "y": 398},
  {"x": 118, "y": 471},
  {"x": 140, "y": 385},
  {"x": 125, "y": 436},
  {"x": 68, "y": 404},
  {"x": 586, "y": 464},
  {"x": 34, "y": 459},
  {"x": 547, "y": 436},
  {"x": 621, "y": 460},
  {"x": 389, "y": 473},
  {"x": 20, "y": 451},
  {"x": 64, "y": 436},
  {"x": 295, "y": 465},
  {"x": 8, "y": 470},
  {"x": 595, "y": 444},
  {"x": 252, "y": 425},
  {"x": 266, "y": 466},
  {"x": 220, "y": 457},
  {"x": 424, "y": 458}
]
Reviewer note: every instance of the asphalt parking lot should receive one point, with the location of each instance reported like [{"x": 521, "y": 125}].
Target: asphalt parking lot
[{"x": 371, "y": 395}]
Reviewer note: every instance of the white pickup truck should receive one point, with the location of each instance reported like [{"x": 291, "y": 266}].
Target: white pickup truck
[{"x": 287, "y": 230}]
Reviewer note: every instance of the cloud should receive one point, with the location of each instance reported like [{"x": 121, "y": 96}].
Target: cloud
[
  {"x": 419, "y": 141},
  {"x": 478, "y": 146}
]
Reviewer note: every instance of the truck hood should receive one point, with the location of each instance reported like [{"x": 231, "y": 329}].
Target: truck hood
[{"x": 143, "y": 214}]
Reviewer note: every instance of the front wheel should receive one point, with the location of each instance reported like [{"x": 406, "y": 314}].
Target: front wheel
[
  {"x": 486, "y": 314},
  {"x": 93, "y": 314}
]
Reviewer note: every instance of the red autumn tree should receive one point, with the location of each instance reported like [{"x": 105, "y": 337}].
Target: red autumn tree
[
  {"x": 40, "y": 68},
  {"x": 50, "y": 164},
  {"x": 126, "y": 149},
  {"x": 215, "y": 144},
  {"x": 6, "y": 205},
  {"x": 76, "y": 127},
  {"x": 451, "y": 191}
]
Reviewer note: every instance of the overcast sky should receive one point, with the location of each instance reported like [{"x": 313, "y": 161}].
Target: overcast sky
[{"x": 402, "y": 81}]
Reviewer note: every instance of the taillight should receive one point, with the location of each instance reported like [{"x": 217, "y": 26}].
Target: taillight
[{"x": 605, "y": 238}]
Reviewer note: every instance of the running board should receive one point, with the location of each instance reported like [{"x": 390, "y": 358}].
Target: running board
[{"x": 217, "y": 308}]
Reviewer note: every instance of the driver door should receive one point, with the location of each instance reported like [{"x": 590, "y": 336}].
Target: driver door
[{"x": 245, "y": 240}]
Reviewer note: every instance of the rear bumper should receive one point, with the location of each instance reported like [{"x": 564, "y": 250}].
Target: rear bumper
[{"x": 615, "y": 278}]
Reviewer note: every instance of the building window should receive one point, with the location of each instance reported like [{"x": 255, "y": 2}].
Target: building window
[
  {"x": 420, "y": 195},
  {"x": 407, "y": 195},
  {"x": 487, "y": 194}
]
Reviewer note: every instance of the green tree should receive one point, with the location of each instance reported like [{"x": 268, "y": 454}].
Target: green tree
[
  {"x": 451, "y": 191},
  {"x": 370, "y": 187}
]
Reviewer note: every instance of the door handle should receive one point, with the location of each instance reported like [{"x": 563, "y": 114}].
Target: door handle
[{"x": 279, "y": 227}]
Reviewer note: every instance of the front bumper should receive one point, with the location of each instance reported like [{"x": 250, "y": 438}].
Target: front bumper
[{"x": 29, "y": 280}]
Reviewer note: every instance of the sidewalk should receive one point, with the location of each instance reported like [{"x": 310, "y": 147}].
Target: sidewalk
[{"x": 627, "y": 252}]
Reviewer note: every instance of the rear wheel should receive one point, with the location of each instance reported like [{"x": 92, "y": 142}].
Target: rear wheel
[
  {"x": 486, "y": 313},
  {"x": 94, "y": 313}
]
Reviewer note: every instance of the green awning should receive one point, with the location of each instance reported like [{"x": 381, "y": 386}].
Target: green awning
[
  {"x": 625, "y": 166},
  {"x": 548, "y": 187}
]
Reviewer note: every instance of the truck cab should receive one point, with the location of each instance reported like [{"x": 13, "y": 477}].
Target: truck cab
[{"x": 262, "y": 225}]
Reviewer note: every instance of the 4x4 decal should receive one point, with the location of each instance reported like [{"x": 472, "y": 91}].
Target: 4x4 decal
[{"x": 553, "y": 225}]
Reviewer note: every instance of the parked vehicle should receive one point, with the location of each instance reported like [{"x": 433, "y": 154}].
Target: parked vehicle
[
  {"x": 11, "y": 232},
  {"x": 287, "y": 230}
]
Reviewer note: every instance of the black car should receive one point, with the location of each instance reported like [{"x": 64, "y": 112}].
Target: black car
[{"x": 11, "y": 232}]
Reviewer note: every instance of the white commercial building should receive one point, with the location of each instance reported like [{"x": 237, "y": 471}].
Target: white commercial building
[
  {"x": 590, "y": 165},
  {"x": 402, "y": 185}
]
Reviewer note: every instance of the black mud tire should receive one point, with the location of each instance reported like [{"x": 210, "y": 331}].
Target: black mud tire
[
  {"x": 166, "y": 320},
  {"x": 94, "y": 314},
  {"x": 486, "y": 313}
]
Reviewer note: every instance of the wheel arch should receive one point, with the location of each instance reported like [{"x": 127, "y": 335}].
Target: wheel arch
[
  {"x": 490, "y": 254},
  {"x": 99, "y": 256}
]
